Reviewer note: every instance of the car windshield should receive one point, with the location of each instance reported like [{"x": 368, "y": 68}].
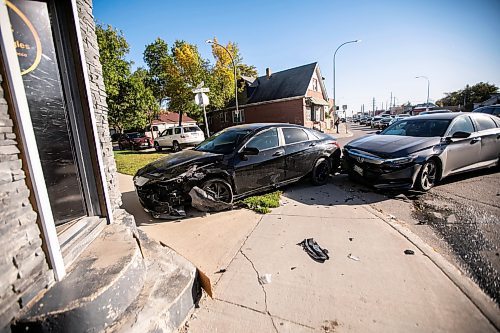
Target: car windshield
[
  {"x": 135, "y": 135},
  {"x": 223, "y": 142},
  {"x": 418, "y": 127},
  {"x": 191, "y": 129}
]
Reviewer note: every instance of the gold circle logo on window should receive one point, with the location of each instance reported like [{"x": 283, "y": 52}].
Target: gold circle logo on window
[{"x": 26, "y": 39}]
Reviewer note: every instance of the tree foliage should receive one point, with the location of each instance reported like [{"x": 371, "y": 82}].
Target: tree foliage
[
  {"x": 174, "y": 72},
  {"x": 129, "y": 99},
  {"x": 468, "y": 96}
]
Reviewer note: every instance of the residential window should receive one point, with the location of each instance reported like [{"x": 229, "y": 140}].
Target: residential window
[
  {"x": 313, "y": 113},
  {"x": 308, "y": 113},
  {"x": 315, "y": 84},
  {"x": 240, "y": 117},
  {"x": 225, "y": 116}
]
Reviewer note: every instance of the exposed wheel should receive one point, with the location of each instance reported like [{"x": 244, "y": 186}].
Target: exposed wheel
[
  {"x": 219, "y": 189},
  {"x": 321, "y": 171},
  {"x": 157, "y": 146},
  {"x": 176, "y": 146},
  {"x": 427, "y": 177}
]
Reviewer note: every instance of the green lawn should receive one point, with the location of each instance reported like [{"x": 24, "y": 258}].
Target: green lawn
[{"x": 129, "y": 161}]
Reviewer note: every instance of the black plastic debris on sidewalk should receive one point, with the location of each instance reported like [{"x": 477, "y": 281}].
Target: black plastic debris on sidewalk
[
  {"x": 409, "y": 252},
  {"x": 204, "y": 202},
  {"x": 316, "y": 252}
]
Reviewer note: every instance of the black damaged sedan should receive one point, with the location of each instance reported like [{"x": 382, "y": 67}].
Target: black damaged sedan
[
  {"x": 237, "y": 162},
  {"x": 417, "y": 152}
]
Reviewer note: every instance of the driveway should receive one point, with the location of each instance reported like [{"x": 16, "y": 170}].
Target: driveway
[{"x": 384, "y": 290}]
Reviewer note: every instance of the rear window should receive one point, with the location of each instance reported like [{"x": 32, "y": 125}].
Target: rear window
[
  {"x": 191, "y": 129},
  {"x": 293, "y": 135}
]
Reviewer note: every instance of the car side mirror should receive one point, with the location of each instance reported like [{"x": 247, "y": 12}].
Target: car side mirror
[
  {"x": 378, "y": 132},
  {"x": 250, "y": 151},
  {"x": 460, "y": 135}
]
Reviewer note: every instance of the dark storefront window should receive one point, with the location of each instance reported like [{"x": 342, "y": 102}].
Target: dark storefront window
[{"x": 55, "y": 112}]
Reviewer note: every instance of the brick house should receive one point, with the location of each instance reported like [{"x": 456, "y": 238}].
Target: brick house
[
  {"x": 167, "y": 120},
  {"x": 296, "y": 95},
  {"x": 72, "y": 260}
]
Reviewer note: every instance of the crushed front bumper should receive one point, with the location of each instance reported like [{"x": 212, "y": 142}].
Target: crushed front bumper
[{"x": 380, "y": 175}]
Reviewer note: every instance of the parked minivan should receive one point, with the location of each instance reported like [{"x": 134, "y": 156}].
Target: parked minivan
[{"x": 179, "y": 137}]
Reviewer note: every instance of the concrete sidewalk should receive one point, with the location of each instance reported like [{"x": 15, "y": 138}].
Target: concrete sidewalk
[{"x": 385, "y": 291}]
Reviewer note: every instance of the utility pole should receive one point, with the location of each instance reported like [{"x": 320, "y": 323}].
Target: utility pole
[{"x": 373, "y": 107}]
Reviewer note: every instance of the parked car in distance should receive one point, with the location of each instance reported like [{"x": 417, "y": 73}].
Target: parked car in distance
[
  {"x": 374, "y": 120},
  {"x": 492, "y": 109},
  {"x": 383, "y": 123},
  {"x": 418, "y": 152},
  {"x": 236, "y": 162},
  {"x": 179, "y": 137},
  {"x": 433, "y": 112},
  {"x": 134, "y": 140},
  {"x": 399, "y": 117}
]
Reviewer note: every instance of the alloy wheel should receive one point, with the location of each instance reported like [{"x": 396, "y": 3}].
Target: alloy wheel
[
  {"x": 428, "y": 175},
  {"x": 219, "y": 190}
]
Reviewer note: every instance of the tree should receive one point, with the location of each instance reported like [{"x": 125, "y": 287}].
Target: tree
[
  {"x": 131, "y": 103},
  {"x": 174, "y": 72},
  {"x": 468, "y": 96}
]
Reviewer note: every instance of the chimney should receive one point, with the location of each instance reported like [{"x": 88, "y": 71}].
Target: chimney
[{"x": 268, "y": 73}]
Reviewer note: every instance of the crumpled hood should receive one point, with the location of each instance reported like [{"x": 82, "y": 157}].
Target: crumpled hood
[
  {"x": 176, "y": 163},
  {"x": 392, "y": 145}
]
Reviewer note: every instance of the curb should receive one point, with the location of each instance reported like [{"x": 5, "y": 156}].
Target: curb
[{"x": 482, "y": 301}]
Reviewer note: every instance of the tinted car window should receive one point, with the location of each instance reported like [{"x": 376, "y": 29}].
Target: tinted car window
[
  {"x": 135, "y": 135},
  {"x": 265, "y": 140},
  {"x": 462, "y": 124},
  {"x": 485, "y": 122},
  {"x": 169, "y": 131},
  {"x": 223, "y": 142},
  {"x": 418, "y": 127},
  {"x": 293, "y": 135},
  {"x": 191, "y": 129},
  {"x": 177, "y": 130}
]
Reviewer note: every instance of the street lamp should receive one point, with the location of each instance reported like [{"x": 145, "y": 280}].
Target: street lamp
[
  {"x": 428, "y": 84},
  {"x": 334, "y": 55},
  {"x": 209, "y": 41}
]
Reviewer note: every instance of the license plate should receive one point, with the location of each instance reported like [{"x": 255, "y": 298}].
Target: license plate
[{"x": 358, "y": 170}]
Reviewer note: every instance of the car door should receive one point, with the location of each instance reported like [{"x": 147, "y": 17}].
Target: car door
[
  {"x": 166, "y": 138},
  {"x": 300, "y": 152},
  {"x": 463, "y": 153},
  {"x": 489, "y": 134},
  {"x": 266, "y": 169}
]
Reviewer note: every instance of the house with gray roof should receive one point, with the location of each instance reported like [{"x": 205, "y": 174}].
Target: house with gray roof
[{"x": 296, "y": 96}]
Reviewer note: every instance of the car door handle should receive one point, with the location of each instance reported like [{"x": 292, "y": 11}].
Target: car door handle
[
  {"x": 278, "y": 153},
  {"x": 474, "y": 140},
  {"x": 312, "y": 144}
]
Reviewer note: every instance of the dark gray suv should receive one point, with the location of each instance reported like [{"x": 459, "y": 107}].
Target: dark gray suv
[{"x": 490, "y": 109}]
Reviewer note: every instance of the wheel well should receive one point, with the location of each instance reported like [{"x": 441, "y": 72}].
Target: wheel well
[{"x": 439, "y": 165}]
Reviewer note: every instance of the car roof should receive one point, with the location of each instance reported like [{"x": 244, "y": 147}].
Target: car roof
[
  {"x": 257, "y": 126},
  {"x": 449, "y": 115}
]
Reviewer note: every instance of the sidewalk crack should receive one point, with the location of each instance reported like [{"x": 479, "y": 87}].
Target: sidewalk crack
[{"x": 263, "y": 289}]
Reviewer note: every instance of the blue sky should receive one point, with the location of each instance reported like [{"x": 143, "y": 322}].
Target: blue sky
[{"x": 454, "y": 43}]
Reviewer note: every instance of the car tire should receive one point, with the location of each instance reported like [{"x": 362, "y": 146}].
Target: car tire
[
  {"x": 157, "y": 146},
  {"x": 219, "y": 189},
  {"x": 427, "y": 176},
  {"x": 321, "y": 171},
  {"x": 176, "y": 146}
]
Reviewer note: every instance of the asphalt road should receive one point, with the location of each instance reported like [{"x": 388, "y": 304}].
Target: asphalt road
[{"x": 460, "y": 217}]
